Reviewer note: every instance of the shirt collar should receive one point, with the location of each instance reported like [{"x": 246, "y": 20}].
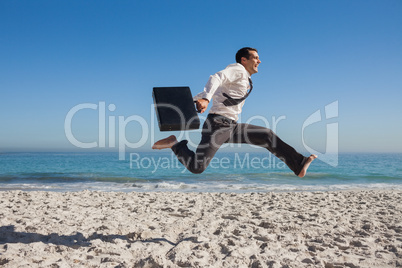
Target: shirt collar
[{"x": 249, "y": 75}]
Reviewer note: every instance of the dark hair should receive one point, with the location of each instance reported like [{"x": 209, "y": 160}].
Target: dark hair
[{"x": 244, "y": 52}]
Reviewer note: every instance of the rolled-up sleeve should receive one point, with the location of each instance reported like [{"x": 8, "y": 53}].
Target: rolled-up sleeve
[
  {"x": 232, "y": 81},
  {"x": 214, "y": 82}
]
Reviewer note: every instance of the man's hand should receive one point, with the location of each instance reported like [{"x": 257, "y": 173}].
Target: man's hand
[{"x": 201, "y": 105}]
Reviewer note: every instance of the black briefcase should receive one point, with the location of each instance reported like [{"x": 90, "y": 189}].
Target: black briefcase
[{"x": 175, "y": 108}]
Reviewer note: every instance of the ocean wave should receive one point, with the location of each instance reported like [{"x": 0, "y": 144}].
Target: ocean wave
[
  {"x": 200, "y": 187},
  {"x": 104, "y": 172}
]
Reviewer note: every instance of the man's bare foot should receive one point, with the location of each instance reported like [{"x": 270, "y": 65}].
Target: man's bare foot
[
  {"x": 165, "y": 143},
  {"x": 306, "y": 165}
]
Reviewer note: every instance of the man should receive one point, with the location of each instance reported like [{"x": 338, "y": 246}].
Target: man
[{"x": 228, "y": 89}]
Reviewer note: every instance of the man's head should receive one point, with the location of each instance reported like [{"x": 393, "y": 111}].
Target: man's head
[{"x": 248, "y": 57}]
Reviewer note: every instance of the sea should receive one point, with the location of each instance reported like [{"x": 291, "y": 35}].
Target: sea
[{"x": 231, "y": 172}]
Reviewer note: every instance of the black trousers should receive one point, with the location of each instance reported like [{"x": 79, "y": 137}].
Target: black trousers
[{"x": 218, "y": 130}]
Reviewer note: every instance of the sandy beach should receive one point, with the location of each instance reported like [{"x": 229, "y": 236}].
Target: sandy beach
[{"x": 158, "y": 229}]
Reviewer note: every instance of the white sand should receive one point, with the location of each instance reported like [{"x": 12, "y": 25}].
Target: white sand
[{"x": 96, "y": 229}]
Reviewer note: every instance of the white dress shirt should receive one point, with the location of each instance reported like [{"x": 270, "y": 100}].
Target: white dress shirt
[{"x": 234, "y": 81}]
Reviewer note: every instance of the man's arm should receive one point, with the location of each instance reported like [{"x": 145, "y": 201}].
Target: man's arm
[
  {"x": 210, "y": 88},
  {"x": 202, "y": 99}
]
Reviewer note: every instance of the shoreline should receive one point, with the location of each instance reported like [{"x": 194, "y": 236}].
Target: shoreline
[
  {"x": 348, "y": 228},
  {"x": 189, "y": 188}
]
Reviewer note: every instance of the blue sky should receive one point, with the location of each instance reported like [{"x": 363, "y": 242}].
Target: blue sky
[{"x": 56, "y": 55}]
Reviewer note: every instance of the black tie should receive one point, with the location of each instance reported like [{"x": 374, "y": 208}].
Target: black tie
[{"x": 231, "y": 102}]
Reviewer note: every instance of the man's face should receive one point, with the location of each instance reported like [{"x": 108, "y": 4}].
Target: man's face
[{"x": 251, "y": 64}]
